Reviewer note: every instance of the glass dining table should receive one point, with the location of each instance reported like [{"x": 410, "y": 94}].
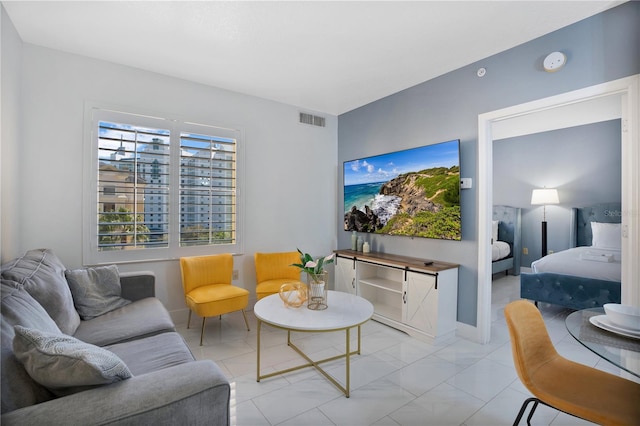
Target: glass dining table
[{"x": 622, "y": 351}]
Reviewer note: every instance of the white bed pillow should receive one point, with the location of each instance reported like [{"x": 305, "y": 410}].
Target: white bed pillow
[
  {"x": 606, "y": 235},
  {"x": 494, "y": 230}
]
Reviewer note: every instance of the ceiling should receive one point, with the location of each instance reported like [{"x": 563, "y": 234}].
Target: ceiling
[{"x": 323, "y": 56}]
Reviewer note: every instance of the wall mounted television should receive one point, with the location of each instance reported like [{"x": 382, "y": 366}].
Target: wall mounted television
[{"x": 414, "y": 192}]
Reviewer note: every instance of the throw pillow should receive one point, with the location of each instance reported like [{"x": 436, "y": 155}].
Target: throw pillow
[
  {"x": 96, "y": 291},
  {"x": 20, "y": 308},
  {"x": 41, "y": 273},
  {"x": 606, "y": 235},
  {"x": 494, "y": 230},
  {"x": 64, "y": 364}
]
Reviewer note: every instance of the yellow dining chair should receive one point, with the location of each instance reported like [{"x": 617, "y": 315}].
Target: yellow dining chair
[
  {"x": 273, "y": 270},
  {"x": 208, "y": 291},
  {"x": 555, "y": 381}
]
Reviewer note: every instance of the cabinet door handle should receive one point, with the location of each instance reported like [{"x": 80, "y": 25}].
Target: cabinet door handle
[
  {"x": 353, "y": 283},
  {"x": 404, "y": 297}
]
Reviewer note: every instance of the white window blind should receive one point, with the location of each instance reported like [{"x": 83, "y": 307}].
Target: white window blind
[
  {"x": 133, "y": 186},
  {"x": 207, "y": 189},
  {"x": 160, "y": 188}
]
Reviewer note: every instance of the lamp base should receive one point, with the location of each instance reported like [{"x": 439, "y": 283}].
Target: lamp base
[{"x": 544, "y": 238}]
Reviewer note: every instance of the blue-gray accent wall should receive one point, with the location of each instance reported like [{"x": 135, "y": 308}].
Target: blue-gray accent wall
[
  {"x": 601, "y": 48},
  {"x": 583, "y": 163}
]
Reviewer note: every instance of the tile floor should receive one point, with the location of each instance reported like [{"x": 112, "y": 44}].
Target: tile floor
[{"x": 397, "y": 380}]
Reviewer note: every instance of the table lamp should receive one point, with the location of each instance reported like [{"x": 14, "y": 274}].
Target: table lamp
[{"x": 543, "y": 197}]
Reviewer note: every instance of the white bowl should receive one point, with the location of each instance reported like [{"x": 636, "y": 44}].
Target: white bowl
[{"x": 623, "y": 315}]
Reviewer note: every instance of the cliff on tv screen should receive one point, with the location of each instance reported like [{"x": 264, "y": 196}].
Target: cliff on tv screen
[{"x": 414, "y": 192}]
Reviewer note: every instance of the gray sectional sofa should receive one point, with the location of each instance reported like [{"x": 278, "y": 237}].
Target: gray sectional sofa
[{"x": 127, "y": 366}]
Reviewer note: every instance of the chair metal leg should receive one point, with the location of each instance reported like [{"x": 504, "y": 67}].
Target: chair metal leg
[
  {"x": 202, "y": 332},
  {"x": 245, "y": 320},
  {"x": 535, "y": 401},
  {"x": 189, "y": 320},
  {"x": 535, "y": 405},
  {"x": 524, "y": 408}
]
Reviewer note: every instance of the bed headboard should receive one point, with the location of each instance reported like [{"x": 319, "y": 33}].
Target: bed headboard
[
  {"x": 509, "y": 228},
  {"x": 583, "y": 216}
]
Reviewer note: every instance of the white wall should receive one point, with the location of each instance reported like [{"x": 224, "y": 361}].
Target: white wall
[
  {"x": 290, "y": 169},
  {"x": 11, "y": 48}
]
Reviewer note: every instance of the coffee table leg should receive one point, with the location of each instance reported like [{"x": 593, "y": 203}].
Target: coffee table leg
[
  {"x": 311, "y": 363},
  {"x": 258, "y": 351},
  {"x": 347, "y": 359}
]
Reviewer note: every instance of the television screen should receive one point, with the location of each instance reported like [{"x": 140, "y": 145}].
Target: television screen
[{"x": 415, "y": 192}]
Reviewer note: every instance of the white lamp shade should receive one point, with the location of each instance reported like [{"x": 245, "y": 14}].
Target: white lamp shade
[{"x": 544, "y": 196}]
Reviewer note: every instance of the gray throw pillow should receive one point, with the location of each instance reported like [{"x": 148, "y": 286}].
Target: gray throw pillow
[
  {"x": 20, "y": 308},
  {"x": 64, "y": 364},
  {"x": 41, "y": 274},
  {"x": 96, "y": 291}
]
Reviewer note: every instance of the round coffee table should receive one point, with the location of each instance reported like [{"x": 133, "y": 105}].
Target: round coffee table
[{"x": 345, "y": 311}]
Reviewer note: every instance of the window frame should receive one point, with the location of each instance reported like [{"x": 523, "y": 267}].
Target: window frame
[{"x": 94, "y": 113}]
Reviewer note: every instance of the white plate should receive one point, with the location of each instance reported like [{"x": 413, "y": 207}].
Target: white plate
[{"x": 601, "y": 321}]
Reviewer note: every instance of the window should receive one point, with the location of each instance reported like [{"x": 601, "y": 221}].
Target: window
[{"x": 161, "y": 188}]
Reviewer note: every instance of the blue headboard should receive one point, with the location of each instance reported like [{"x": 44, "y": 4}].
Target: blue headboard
[
  {"x": 509, "y": 230},
  {"x": 581, "y": 229}
]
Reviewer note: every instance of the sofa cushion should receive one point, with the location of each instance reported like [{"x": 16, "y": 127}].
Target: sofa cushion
[
  {"x": 42, "y": 275},
  {"x": 141, "y": 318},
  {"x": 19, "y": 308},
  {"x": 95, "y": 291},
  {"x": 153, "y": 353},
  {"x": 65, "y": 364}
]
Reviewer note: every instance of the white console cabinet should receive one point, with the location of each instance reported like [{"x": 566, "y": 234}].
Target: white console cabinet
[
  {"x": 345, "y": 275},
  {"x": 417, "y": 296}
]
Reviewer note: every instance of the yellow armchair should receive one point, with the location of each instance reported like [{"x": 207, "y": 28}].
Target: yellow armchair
[
  {"x": 273, "y": 270},
  {"x": 208, "y": 291},
  {"x": 574, "y": 388}
]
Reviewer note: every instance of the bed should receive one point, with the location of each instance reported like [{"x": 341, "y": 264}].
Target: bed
[
  {"x": 588, "y": 274},
  {"x": 505, "y": 240}
]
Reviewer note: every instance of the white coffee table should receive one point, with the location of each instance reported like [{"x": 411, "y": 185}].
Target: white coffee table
[{"x": 345, "y": 311}]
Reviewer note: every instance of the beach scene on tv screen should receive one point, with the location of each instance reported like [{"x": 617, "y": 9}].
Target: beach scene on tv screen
[{"x": 414, "y": 192}]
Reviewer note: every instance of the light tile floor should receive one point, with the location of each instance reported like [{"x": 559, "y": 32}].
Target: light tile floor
[{"x": 397, "y": 380}]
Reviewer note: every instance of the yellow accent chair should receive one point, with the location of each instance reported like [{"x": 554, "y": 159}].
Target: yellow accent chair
[
  {"x": 273, "y": 270},
  {"x": 555, "y": 381},
  {"x": 208, "y": 291}
]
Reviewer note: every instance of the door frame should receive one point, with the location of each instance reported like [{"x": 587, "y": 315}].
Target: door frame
[{"x": 627, "y": 91}]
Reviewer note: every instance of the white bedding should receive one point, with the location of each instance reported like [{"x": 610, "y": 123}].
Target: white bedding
[
  {"x": 576, "y": 262},
  {"x": 500, "y": 250}
]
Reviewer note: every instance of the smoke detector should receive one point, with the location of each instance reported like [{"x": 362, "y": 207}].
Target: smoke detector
[{"x": 554, "y": 61}]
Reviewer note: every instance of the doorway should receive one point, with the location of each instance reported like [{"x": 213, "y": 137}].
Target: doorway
[{"x": 611, "y": 100}]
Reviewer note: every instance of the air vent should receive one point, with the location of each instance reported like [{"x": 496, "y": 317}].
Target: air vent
[{"x": 311, "y": 119}]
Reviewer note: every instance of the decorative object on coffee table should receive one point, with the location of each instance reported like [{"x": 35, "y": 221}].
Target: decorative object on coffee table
[
  {"x": 317, "y": 279},
  {"x": 293, "y": 294}
]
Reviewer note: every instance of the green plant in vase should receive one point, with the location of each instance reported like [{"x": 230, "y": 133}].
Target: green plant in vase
[
  {"x": 316, "y": 278},
  {"x": 313, "y": 268}
]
